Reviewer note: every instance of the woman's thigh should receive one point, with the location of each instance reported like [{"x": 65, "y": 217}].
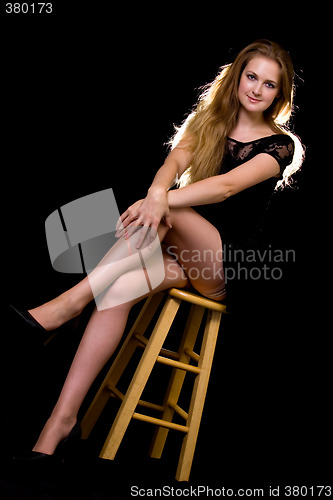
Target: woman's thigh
[
  {"x": 134, "y": 285},
  {"x": 197, "y": 246}
]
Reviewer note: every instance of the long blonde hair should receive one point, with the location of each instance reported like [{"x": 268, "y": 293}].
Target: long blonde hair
[{"x": 206, "y": 129}]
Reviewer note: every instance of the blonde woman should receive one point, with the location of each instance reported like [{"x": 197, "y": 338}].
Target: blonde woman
[{"x": 229, "y": 155}]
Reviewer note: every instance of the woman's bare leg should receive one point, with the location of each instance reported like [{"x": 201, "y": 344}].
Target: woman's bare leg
[
  {"x": 196, "y": 244},
  {"x": 198, "y": 247},
  {"x": 100, "y": 339},
  {"x": 193, "y": 239},
  {"x": 122, "y": 257}
]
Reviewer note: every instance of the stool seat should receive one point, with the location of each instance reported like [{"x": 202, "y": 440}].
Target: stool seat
[
  {"x": 182, "y": 361},
  {"x": 199, "y": 300}
]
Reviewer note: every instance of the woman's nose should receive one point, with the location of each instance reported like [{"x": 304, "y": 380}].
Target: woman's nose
[{"x": 257, "y": 90}]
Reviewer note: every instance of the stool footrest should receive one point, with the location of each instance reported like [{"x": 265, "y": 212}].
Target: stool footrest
[
  {"x": 164, "y": 352},
  {"x": 182, "y": 413},
  {"x": 170, "y": 357},
  {"x": 146, "y": 418},
  {"x": 193, "y": 355},
  {"x": 178, "y": 364},
  {"x": 119, "y": 395},
  {"x": 160, "y": 422}
]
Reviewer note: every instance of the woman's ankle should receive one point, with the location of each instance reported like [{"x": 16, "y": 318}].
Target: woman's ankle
[
  {"x": 58, "y": 311},
  {"x": 55, "y": 430},
  {"x": 72, "y": 305}
]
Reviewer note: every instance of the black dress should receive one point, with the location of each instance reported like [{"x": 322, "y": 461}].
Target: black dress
[{"x": 239, "y": 219}]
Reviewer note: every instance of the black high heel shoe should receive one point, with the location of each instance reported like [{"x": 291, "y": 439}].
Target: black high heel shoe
[
  {"x": 28, "y": 318},
  {"x": 69, "y": 442},
  {"x": 44, "y": 336},
  {"x": 62, "y": 450}
]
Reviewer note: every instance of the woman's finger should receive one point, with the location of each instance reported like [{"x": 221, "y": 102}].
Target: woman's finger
[
  {"x": 132, "y": 229},
  {"x": 120, "y": 221},
  {"x": 129, "y": 228},
  {"x": 167, "y": 221},
  {"x": 129, "y": 215},
  {"x": 126, "y": 221},
  {"x": 120, "y": 231},
  {"x": 142, "y": 235}
]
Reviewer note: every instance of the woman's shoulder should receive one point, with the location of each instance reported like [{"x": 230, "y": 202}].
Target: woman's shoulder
[
  {"x": 277, "y": 141},
  {"x": 280, "y": 138},
  {"x": 280, "y": 146}
]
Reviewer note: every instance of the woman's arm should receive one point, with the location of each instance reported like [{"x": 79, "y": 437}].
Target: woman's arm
[
  {"x": 219, "y": 187},
  {"x": 151, "y": 210},
  {"x": 175, "y": 164}
]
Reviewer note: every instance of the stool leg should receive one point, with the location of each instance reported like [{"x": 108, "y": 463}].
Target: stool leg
[
  {"x": 140, "y": 378},
  {"x": 177, "y": 379},
  {"x": 198, "y": 395},
  {"x": 118, "y": 366}
]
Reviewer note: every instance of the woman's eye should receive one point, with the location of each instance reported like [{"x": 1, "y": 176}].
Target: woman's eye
[
  {"x": 251, "y": 77},
  {"x": 270, "y": 85}
]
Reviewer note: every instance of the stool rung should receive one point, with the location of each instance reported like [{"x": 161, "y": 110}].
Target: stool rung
[
  {"x": 160, "y": 422},
  {"x": 118, "y": 394},
  {"x": 178, "y": 364},
  {"x": 178, "y": 410},
  {"x": 164, "y": 352},
  {"x": 141, "y": 338},
  {"x": 193, "y": 355}
]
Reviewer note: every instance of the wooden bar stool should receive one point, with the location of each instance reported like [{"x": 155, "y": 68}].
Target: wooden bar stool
[{"x": 181, "y": 362}]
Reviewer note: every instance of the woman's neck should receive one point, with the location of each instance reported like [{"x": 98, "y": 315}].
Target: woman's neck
[{"x": 250, "y": 126}]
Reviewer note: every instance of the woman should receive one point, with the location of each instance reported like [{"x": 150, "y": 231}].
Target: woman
[{"x": 229, "y": 155}]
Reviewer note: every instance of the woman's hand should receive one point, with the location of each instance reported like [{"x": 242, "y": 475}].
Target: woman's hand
[{"x": 149, "y": 213}]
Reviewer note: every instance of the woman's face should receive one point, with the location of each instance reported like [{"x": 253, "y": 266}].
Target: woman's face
[{"x": 259, "y": 84}]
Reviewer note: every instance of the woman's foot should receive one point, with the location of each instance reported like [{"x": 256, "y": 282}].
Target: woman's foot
[
  {"x": 55, "y": 313},
  {"x": 54, "y": 431}
]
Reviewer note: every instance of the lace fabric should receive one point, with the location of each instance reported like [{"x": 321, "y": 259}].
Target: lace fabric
[{"x": 280, "y": 146}]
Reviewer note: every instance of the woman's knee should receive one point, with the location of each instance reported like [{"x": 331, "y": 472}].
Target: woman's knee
[
  {"x": 125, "y": 291},
  {"x": 177, "y": 214}
]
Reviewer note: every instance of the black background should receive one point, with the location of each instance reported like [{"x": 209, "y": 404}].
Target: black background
[{"x": 89, "y": 98}]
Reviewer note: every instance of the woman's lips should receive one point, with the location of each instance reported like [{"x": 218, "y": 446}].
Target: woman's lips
[{"x": 252, "y": 99}]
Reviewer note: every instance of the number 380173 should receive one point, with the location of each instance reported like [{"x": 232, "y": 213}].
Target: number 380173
[{"x": 29, "y": 8}]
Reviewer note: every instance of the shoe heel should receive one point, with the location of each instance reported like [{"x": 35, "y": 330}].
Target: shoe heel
[{"x": 68, "y": 445}]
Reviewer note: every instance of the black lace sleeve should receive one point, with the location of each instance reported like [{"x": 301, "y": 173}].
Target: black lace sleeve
[{"x": 281, "y": 147}]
